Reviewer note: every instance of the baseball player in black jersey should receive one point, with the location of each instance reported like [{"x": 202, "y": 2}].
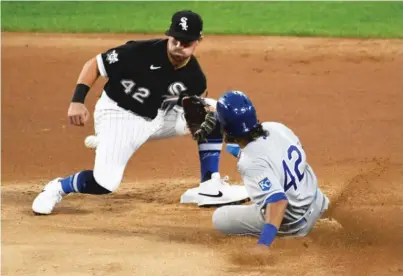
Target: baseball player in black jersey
[{"x": 141, "y": 101}]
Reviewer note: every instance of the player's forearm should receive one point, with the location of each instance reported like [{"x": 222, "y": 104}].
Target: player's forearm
[
  {"x": 89, "y": 74},
  {"x": 273, "y": 216},
  {"x": 275, "y": 212}
]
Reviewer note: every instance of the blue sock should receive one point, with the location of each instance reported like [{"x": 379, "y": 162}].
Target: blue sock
[
  {"x": 209, "y": 163},
  {"x": 209, "y": 154},
  {"x": 76, "y": 183}
]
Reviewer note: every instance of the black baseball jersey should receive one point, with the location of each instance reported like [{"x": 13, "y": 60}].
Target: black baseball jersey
[{"x": 140, "y": 76}]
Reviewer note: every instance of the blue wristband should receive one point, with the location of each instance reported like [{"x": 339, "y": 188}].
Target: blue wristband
[{"x": 268, "y": 234}]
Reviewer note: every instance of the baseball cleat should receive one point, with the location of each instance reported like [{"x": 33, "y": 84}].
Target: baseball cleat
[
  {"x": 215, "y": 192},
  {"x": 50, "y": 195}
]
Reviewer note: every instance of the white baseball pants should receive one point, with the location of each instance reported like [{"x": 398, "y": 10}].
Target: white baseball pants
[
  {"x": 121, "y": 133},
  {"x": 249, "y": 219}
]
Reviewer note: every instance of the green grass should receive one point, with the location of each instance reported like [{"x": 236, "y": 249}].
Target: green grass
[{"x": 340, "y": 19}]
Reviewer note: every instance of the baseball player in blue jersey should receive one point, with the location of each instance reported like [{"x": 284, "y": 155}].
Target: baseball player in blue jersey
[{"x": 272, "y": 162}]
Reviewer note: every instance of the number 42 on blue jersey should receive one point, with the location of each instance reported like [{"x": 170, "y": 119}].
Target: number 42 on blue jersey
[{"x": 291, "y": 176}]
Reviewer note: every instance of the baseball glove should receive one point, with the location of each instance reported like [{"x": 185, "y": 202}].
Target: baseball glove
[{"x": 200, "y": 121}]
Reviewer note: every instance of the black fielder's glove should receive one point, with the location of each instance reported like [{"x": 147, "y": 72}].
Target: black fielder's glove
[{"x": 199, "y": 119}]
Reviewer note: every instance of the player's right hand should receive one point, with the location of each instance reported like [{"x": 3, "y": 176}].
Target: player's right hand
[{"x": 78, "y": 114}]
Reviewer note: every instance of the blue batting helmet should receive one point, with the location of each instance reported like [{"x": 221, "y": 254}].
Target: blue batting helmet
[{"x": 236, "y": 113}]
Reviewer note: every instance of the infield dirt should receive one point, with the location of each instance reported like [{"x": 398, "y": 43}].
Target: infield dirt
[{"x": 343, "y": 98}]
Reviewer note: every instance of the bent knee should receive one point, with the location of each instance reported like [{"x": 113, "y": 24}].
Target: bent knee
[
  {"x": 108, "y": 180},
  {"x": 221, "y": 220}
]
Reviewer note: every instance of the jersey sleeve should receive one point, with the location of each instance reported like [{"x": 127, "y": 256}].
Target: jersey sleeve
[
  {"x": 262, "y": 183},
  {"x": 196, "y": 88},
  {"x": 113, "y": 61},
  {"x": 199, "y": 86}
]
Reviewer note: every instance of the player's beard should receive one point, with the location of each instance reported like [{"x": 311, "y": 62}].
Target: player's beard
[{"x": 178, "y": 58}]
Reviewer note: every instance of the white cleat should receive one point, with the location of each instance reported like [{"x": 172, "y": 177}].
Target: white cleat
[
  {"x": 91, "y": 142},
  {"x": 215, "y": 192},
  {"x": 51, "y": 194}
]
